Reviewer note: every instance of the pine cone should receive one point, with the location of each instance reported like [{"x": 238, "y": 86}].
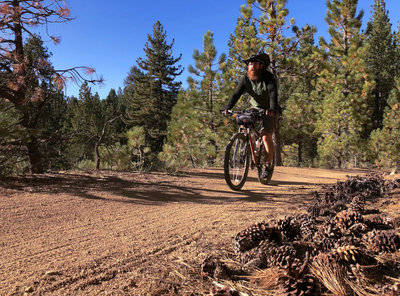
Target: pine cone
[
  {"x": 327, "y": 258},
  {"x": 251, "y": 237},
  {"x": 390, "y": 290},
  {"x": 305, "y": 286},
  {"x": 323, "y": 243},
  {"x": 297, "y": 281},
  {"x": 222, "y": 290},
  {"x": 314, "y": 210},
  {"x": 357, "y": 204},
  {"x": 379, "y": 241},
  {"x": 307, "y": 229},
  {"x": 331, "y": 229},
  {"x": 378, "y": 222},
  {"x": 282, "y": 256},
  {"x": 307, "y": 226},
  {"x": 348, "y": 254},
  {"x": 259, "y": 253},
  {"x": 344, "y": 220},
  {"x": 358, "y": 229},
  {"x": 289, "y": 228}
]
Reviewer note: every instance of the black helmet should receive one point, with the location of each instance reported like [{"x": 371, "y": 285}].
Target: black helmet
[{"x": 260, "y": 57}]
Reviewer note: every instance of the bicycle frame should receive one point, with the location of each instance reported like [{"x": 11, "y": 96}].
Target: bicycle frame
[
  {"x": 252, "y": 134},
  {"x": 243, "y": 151}
]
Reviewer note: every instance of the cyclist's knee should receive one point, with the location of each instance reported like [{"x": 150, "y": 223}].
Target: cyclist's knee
[{"x": 267, "y": 135}]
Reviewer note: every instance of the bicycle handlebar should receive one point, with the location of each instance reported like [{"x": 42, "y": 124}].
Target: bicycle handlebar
[{"x": 231, "y": 112}]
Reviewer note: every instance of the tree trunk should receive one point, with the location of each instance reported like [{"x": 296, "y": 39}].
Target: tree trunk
[
  {"x": 31, "y": 142},
  {"x": 300, "y": 153},
  {"x": 278, "y": 144},
  {"x": 35, "y": 159}
]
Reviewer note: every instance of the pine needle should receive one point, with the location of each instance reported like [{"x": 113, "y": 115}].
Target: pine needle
[
  {"x": 266, "y": 278},
  {"x": 362, "y": 288},
  {"x": 331, "y": 275}
]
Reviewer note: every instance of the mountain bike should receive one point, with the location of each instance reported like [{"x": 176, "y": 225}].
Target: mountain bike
[{"x": 246, "y": 149}]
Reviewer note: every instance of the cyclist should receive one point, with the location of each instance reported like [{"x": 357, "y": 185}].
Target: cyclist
[{"x": 260, "y": 84}]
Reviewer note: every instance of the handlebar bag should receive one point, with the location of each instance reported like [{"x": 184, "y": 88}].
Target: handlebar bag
[{"x": 246, "y": 118}]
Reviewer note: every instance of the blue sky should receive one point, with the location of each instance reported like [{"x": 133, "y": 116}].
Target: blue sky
[{"x": 110, "y": 37}]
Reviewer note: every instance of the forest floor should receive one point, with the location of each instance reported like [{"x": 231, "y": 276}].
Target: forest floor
[{"x": 117, "y": 233}]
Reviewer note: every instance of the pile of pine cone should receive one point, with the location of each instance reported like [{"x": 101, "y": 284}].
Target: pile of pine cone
[{"x": 337, "y": 235}]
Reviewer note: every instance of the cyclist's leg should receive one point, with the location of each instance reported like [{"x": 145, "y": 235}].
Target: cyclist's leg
[
  {"x": 269, "y": 128},
  {"x": 269, "y": 147}
]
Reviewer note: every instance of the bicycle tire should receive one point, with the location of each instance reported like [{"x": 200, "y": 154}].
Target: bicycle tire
[
  {"x": 236, "y": 167},
  {"x": 261, "y": 165}
]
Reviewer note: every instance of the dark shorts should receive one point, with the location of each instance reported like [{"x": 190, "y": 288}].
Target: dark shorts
[{"x": 268, "y": 124}]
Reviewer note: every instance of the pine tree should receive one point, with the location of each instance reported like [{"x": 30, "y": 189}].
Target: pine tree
[
  {"x": 262, "y": 27},
  {"x": 194, "y": 134},
  {"x": 381, "y": 58},
  {"x": 300, "y": 107},
  {"x": 345, "y": 86},
  {"x": 87, "y": 123},
  {"x": 41, "y": 118},
  {"x": 243, "y": 43},
  {"x": 385, "y": 141},
  {"x": 12, "y": 151},
  {"x": 18, "y": 17},
  {"x": 154, "y": 91}
]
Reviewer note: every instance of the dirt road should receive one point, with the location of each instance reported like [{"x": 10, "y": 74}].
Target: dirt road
[{"x": 110, "y": 233}]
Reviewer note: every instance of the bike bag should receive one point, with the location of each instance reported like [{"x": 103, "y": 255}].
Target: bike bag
[{"x": 247, "y": 118}]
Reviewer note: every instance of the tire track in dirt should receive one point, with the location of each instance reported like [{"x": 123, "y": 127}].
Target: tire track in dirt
[{"x": 111, "y": 236}]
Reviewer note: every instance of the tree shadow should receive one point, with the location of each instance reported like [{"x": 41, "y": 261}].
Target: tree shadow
[{"x": 151, "y": 189}]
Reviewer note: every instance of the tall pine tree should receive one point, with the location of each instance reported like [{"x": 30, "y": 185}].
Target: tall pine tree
[
  {"x": 346, "y": 109},
  {"x": 154, "y": 91},
  {"x": 262, "y": 27},
  {"x": 193, "y": 136},
  {"x": 382, "y": 58},
  {"x": 300, "y": 107}
]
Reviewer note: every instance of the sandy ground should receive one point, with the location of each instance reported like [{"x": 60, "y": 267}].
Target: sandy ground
[{"x": 109, "y": 233}]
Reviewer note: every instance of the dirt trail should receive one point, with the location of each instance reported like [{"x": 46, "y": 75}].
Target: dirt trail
[{"x": 110, "y": 233}]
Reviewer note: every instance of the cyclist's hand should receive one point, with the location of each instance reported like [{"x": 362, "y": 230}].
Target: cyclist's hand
[
  {"x": 224, "y": 112},
  {"x": 270, "y": 113}
]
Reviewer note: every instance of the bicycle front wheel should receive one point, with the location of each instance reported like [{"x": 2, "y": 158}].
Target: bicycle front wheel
[{"x": 237, "y": 160}]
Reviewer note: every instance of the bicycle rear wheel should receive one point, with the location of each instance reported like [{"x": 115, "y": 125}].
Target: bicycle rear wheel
[
  {"x": 261, "y": 167},
  {"x": 237, "y": 160}
]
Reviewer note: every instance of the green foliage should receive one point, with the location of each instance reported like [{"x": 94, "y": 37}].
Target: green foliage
[
  {"x": 116, "y": 157},
  {"x": 196, "y": 132},
  {"x": 344, "y": 85},
  {"x": 34, "y": 130},
  {"x": 137, "y": 146},
  {"x": 299, "y": 115},
  {"x": 381, "y": 58},
  {"x": 86, "y": 122},
  {"x": 151, "y": 91},
  {"x": 86, "y": 165},
  {"x": 290, "y": 155},
  {"x": 341, "y": 99},
  {"x": 12, "y": 154},
  {"x": 94, "y": 122},
  {"x": 385, "y": 142},
  {"x": 265, "y": 25}
]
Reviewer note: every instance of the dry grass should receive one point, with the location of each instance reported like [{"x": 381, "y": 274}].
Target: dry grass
[
  {"x": 267, "y": 279},
  {"x": 331, "y": 275},
  {"x": 362, "y": 287}
]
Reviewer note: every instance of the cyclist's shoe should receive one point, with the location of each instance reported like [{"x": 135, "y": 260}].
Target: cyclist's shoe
[{"x": 267, "y": 171}]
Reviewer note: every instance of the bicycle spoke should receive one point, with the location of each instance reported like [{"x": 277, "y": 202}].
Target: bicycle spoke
[{"x": 236, "y": 162}]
